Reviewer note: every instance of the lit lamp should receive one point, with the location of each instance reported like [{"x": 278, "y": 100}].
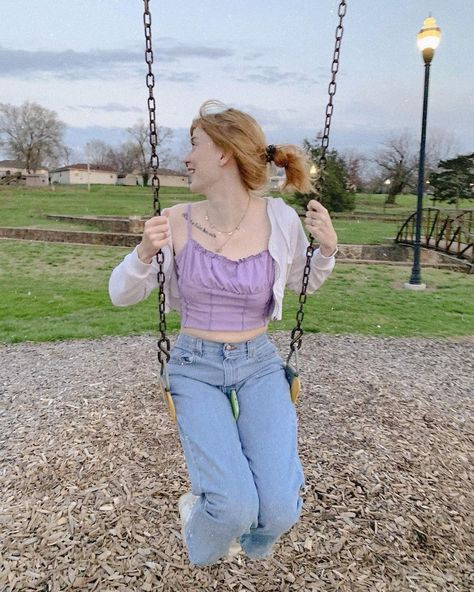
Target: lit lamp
[
  {"x": 427, "y": 40},
  {"x": 313, "y": 170}
]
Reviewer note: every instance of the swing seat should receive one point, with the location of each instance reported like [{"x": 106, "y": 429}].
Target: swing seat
[
  {"x": 165, "y": 390},
  {"x": 294, "y": 381}
]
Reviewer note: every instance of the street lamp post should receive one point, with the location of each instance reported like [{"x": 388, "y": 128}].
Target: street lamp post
[{"x": 427, "y": 40}]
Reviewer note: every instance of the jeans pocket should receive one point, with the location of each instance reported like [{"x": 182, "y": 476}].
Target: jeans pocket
[
  {"x": 181, "y": 356},
  {"x": 267, "y": 353}
]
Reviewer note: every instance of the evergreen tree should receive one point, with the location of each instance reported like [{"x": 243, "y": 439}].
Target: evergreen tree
[
  {"x": 455, "y": 179},
  {"x": 334, "y": 194}
]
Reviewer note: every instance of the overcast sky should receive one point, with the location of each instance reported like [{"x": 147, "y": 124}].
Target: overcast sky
[{"x": 84, "y": 60}]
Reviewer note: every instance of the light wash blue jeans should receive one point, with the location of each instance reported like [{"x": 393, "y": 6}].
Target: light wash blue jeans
[{"x": 247, "y": 473}]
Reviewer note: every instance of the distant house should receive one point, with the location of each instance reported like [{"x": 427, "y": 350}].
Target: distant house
[
  {"x": 11, "y": 167},
  {"x": 129, "y": 179},
  {"x": 13, "y": 172},
  {"x": 168, "y": 178},
  {"x": 82, "y": 174}
]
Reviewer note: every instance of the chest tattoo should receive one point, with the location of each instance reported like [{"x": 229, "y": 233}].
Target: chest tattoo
[{"x": 198, "y": 226}]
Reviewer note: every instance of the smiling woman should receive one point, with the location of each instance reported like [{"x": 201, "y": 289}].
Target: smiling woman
[{"x": 224, "y": 263}]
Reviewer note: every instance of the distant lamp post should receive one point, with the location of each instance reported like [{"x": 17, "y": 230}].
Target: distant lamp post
[
  {"x": 427, "y": 40},
  {"x": 387, "y": 184}
]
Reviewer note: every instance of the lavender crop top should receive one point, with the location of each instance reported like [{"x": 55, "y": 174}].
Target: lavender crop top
[{"x": 219, "y": 294}]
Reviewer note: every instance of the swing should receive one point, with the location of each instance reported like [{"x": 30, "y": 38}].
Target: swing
[{"x": 163, "y": 344}]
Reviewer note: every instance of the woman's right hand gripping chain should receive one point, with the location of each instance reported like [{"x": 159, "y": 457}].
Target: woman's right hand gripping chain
[{"x": 156, "y": 234}]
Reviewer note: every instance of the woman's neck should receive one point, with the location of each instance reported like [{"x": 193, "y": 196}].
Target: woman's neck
[{"x": 226, "y": 205}]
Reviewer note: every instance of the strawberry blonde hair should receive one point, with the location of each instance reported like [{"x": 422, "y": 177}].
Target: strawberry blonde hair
[{"x": 237, "y": 132}]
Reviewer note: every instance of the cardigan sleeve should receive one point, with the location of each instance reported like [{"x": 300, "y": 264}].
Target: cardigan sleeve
[
  {"x": 132, "y": 280},
  {"x": 321, "y": 266}
]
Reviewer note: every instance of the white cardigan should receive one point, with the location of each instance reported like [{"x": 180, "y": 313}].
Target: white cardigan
[{"x": 132, "y": 280}]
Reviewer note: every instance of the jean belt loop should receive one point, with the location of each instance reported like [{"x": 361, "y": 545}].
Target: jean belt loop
[
  {"x": 198, "y": 347},
  {"x": 251, "y": 349}
]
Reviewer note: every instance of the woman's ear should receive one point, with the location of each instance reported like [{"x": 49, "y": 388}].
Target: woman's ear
[{"x": 225, "y": 158}]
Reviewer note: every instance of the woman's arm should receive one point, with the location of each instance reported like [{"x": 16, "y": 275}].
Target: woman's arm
[
  {"x": 136, "y": 276},
  {"x": 133, "y": 280},
  {"x": 318, "y": 223}
]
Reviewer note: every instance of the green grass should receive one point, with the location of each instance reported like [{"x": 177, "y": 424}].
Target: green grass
[
  {"x": 51, "y": 291},
  {"x": 25, "y": 207},
  {"x": 372, "y": 203},
  {"x": 364, "y": 232}
]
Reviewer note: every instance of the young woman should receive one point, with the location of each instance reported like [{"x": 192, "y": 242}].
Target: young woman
[{"x": 228, "y": 259}]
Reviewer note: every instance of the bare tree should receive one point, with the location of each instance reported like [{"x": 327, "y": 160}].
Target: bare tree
[
  {"x": 99, "y": 153},
  {"x": 126, "y": 157},
  {"x": 140, "y": 135},
  {"x": 30, "y": 133},
  {"x": 66, "y": 155},
  {"x": 355, "y": 164},
  {"x": 397, "y": 161},
  {"x": 440, "y": 145},
  {"x": 172, "y": 161}
]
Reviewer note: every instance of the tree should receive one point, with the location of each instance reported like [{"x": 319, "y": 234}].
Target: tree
[
  {"x": 397, "y": 160},
  {"x": 66, "y": 155},
  {"x": 455, "y": 180},
  {"x": 126, "y": 157},
  {"x": 140, "y": 136},
  {"x": 354, "y": 164},
  {"x": 99, "y": 153},
  {"x": 31, "y": 134},
  {"x": 334, "y": 195},
  {"x": 174, "y": 162}
]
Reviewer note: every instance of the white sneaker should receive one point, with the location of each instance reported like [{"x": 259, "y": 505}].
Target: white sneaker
[
  {"x": 234, "y": 549},
  {"x": 185, "y": 505}
]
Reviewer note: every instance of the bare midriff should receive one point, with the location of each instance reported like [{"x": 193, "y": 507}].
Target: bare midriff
[{"x": 225, "y": 336}]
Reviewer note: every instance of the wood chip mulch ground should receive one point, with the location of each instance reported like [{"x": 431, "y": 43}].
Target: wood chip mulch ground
[{"x": 91, "y": 470}]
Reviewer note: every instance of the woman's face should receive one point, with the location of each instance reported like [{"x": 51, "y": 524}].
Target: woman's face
[{"x": 203, "y": 161}]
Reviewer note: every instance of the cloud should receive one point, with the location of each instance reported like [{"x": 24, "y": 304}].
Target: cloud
[
  {"x": 177, "y": 50},
  {"x": 108, "y": 107},
  {"x": 265, "y": 117},
  {"x": 273, "y": 76},
  {"x": 100, "y": 63},
  {"x": 253, "y": 55}
]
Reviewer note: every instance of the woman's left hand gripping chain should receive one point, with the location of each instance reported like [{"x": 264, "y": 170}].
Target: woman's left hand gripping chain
[{"x": 319, "y": 224}]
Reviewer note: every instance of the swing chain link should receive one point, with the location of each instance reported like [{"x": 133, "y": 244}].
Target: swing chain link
[
  {"x": 297, "y": 332},
  {"x": 164, "y": 345}
]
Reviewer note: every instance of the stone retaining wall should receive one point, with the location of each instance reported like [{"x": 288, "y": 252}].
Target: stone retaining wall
[
  {"x": 128, "y": 225},
  {"x": 365, "y": 253},
  {"x": 72, "y": 236},
  {"x": 392, "y": 252}
]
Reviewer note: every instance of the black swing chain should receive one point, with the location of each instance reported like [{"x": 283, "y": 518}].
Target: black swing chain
[
  {"x": 297, "y": 331},
  {"x": 164, "y": 345}
]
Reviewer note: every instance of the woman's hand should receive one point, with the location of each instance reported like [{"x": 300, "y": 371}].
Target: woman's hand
[
  {"x": 156, "y": 234},
  {"x": 318, "y": 222}
]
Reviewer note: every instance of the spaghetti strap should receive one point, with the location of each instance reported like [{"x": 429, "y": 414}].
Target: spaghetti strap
[{"x": 188, "y": 217}]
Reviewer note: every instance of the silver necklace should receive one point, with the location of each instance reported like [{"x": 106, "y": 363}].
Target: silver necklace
[{"x": 231, "y": 232}]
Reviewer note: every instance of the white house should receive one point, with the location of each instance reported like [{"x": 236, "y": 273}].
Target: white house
[
  {"x": 170, "y": 178},
  {"x": 82, "y": 174},
  {"x": 13, "y": 172}
]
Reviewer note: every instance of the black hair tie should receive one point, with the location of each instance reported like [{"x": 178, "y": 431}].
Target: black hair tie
[{"x": 270, "y": 152}]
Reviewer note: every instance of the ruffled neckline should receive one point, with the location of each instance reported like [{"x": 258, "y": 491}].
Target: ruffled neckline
[{"x": 213, "y": 254}]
